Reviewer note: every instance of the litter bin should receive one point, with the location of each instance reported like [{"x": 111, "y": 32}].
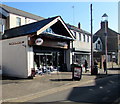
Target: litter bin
[
  {"x": 95, "y": 70},
  {"x": 76, "y": 72}
]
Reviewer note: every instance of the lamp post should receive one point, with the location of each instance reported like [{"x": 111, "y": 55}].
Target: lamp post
[{"x": 105, "y": 20}]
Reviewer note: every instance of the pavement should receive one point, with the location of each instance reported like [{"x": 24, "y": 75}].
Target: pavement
[{"x": 13, "y": 89}]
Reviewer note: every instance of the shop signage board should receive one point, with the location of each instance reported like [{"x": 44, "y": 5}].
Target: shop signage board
[
  {"x": 39, "y": 41},
  {"x": 76, "y": 72}
]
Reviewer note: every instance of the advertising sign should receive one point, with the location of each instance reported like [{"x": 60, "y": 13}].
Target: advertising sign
[
  {"x": 38, "y": 41},
  {"x": 77, "y": 72}
]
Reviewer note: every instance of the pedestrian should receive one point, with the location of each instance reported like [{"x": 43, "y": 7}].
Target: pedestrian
[
  {"x": 95, "y": 67},
  {"x": 86, "y": 65},
  {"x": 95, "y": 63},
  {"x": 104, "y": 65}
]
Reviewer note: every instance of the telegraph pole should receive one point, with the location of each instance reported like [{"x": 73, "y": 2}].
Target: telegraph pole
[{"x": 92, "y": 71}]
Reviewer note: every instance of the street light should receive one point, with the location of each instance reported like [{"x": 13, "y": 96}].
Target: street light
[{"x": 105, "y": 20}]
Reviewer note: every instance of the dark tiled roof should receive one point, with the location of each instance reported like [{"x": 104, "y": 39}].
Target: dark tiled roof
[
  {"x": 26, "y": 29},
  {"x": 111, "y": 38},
  {"x": 100, "y": 33},
  {"x": 77, "y": 29},
  {"x": 56, "y": 26},
  {"x": 20, "y": 12}
]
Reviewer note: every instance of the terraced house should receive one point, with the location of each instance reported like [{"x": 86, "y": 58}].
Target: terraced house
[{"x": 81, "y": 45}]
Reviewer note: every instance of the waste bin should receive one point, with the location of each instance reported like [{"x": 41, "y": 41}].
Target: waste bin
[
  {"x": 95, "y": 70},
  {"x": 76, "y": 72}
]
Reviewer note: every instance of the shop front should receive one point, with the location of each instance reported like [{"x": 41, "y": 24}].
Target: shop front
[
  {"x": 51, "y": 54},
  {"x": 42, "y": 47}
]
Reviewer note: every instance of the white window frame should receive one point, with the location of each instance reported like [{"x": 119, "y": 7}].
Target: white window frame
[{"x": 18, "y": 21}]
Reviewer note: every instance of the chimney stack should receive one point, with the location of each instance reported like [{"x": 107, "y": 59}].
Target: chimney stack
[{"x": 79, "y": 26}]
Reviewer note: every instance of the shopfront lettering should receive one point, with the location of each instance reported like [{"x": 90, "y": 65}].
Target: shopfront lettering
[{"x": 16, "y": 43}]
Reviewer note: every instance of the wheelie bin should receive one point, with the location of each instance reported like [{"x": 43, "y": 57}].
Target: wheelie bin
[{"x": 95, "y": 70}]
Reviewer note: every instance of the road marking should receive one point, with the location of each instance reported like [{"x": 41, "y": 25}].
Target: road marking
[{"x": 46, "y": 92}]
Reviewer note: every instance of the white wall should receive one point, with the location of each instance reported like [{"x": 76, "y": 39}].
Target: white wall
[
  {"x": 30, "y": 59},
  {"x": 80, "y": 44},
  {"x": 14, "y": 57},
  {"x": 28, "y": 20},
  {"x": 24, "y": 20}
]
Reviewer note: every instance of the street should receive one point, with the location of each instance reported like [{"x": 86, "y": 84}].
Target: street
[
  {"x": 105, "y": 91},
  {"x": 101, "y": 89}
]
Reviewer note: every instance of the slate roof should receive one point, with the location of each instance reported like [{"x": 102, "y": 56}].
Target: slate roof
[
  {"x": 77, "y": 29},
  {"x": 32, "y": 28},
  {"x": 26, "y": 29},
  {"x": 20, "y": 12},
  {"x": 112, "y": 38},
  {"x": 100, "y": 33}
]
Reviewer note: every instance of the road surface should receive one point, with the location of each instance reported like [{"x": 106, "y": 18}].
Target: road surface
[{"x": 100, "y": 91}]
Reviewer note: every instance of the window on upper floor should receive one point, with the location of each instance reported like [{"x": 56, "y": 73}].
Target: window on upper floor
[
  {"x": 88, "y": 39},
  {"x": 1, "y": 29},
  {"x": 80, "y": 36},
  {"x": 83, "y": 37},
  {"x": 75, "y": 34},
  {"x": 18, "y": 21},
  {"x": 25, "y": 20}
]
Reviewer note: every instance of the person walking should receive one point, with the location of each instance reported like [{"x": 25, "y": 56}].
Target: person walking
[
  {"x": 104, "y": 66},
  {"x": 95, "y": 67},
  {"x": 86, "y": 65},
  {"x": 95, "y": 63}
]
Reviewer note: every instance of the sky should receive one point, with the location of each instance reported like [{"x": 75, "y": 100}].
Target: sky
[{"x": 73, "y": 12}]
